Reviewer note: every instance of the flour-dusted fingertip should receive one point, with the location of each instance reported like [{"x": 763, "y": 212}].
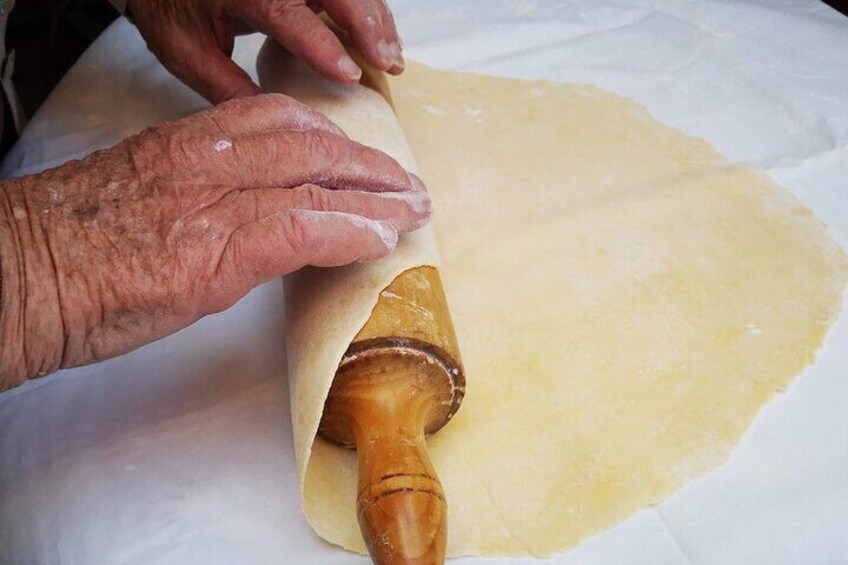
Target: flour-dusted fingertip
[
  {"x": 342, "y": 238},
  {"x": 349, "y": 68},
  {"x": 418, "y": 209},
  {"x": 386, "y": 231},
  {"x": 390, "y": 55},
  {"x": 417, "y": 184},
  {"x": 419, "y": 202},
  {"x": 398, "y": 64}
]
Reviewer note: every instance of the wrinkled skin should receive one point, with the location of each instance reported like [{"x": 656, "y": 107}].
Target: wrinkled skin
[
  {"x": 194, "y": 38},
  {"x": 103, "y": 255}
]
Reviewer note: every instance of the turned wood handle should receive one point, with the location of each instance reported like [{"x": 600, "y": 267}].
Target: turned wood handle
[
  {"x": 385, "y": 396},
  {"x": 402, "y": 515}
]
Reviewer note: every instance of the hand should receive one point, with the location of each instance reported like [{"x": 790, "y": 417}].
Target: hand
[
  {"x": 130, "y": 244},
  {"x": 194, "y": 38}
]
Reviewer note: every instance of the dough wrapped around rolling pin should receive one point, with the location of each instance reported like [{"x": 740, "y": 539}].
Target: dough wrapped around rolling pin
[{"x": 326, "y": 308}]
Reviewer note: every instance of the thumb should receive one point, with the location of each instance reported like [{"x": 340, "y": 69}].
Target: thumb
[{"x": 209, "y": 71}]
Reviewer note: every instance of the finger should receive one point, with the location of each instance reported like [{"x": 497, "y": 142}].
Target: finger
[
  {"x": 372, "y": 28},
  {"x": 332, "y": 239},
  {"x": 207, "y": 70},
  {"x": 404, "y": 211},
  {"x": 265, "y": 112},
  {"x": 285, "y": 242},
  {"x": 389, "y": 24},
  {"x": 292, "y": 158},
  {"x": 297, "y": 28}
]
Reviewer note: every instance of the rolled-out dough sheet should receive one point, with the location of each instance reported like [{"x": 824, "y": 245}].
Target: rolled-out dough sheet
[{"x": 625, "y": 299}]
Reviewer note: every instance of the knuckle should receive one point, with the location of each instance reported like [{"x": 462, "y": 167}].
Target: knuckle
[
  {"x": 241, "y": 204},
  {"x": 318, "y": 198},
  {"x": 183, "y": 148},
  {"x": 297, "y": 234},
  {"x": 283, "y": 8},
  {"x": 233, "y": 264},
  {"x": 325, "y": 41},
  {"x": 289, "y": 5},
  {"x": 172, "y": 151},
  {"x": 323, "y": 147}
]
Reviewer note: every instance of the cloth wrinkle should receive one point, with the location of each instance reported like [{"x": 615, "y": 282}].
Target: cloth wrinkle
[{"x": 683, "y": 553}]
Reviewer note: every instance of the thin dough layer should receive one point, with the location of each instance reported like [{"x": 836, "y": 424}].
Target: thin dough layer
[{"x": 626, "y": 300}]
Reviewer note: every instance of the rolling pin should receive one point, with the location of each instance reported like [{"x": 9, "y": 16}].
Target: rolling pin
[{"x": 400, "y": 380}]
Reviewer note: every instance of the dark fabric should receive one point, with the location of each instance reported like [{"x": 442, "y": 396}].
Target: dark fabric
[{"x": 7, "y": 127}]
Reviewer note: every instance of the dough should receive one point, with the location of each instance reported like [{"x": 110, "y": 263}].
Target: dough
[{"x": 626, "y": 300}]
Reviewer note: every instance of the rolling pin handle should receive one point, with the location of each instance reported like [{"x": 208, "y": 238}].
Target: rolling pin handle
[{"x": 402, "y": 514}]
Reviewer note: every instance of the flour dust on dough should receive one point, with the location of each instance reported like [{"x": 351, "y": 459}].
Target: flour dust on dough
[{"x": 626, "y": 300}]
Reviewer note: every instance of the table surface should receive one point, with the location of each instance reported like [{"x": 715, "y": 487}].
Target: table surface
[{"x": 181, "y": 452}]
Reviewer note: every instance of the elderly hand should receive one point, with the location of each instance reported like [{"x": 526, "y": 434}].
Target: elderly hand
[
  {"x": 130, "y": 244},
  {"x": 194, "y": 38}
]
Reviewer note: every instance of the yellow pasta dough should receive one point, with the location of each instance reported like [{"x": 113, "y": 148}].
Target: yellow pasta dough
[{"x": 625, "y": 299}]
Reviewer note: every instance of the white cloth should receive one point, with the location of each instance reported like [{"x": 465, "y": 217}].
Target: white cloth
[{"x": 181, "y": 453}]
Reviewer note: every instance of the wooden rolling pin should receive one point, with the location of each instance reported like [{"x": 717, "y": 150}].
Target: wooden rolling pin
[{"x": 399, "y": 380}]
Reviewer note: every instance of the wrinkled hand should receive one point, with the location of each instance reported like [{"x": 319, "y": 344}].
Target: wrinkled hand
[
  {"x": 194, "y": 38},
  {"x": 130, "y": 244}
]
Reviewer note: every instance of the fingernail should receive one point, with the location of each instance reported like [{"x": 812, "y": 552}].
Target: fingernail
[
  {"x": 390, "y": 54},
  {"x": 386, "y": 231},
  {"x": 417, "y": 183},
  {"x": 350, "y": 69},
  {"x": 398, "y": 57},
  {"x": 419, "y": 201}
]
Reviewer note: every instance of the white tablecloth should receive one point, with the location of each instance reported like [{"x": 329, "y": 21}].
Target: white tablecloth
[{"x": 180, "y": 453}]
